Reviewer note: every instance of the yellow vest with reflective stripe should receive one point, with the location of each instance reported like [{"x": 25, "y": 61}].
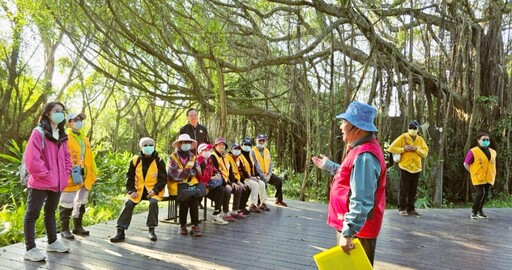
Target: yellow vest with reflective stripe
[
  {"x": 172, "y": 186},
  {"x": 245, "y": 163},
  {"x": 482, "y": 170},
  {"x": 88, "y": 163},
  {"x": 263, "y": 161},
  {"x": 149, "y": 182},
  {"x": 234, "y": 165},
  {"x": 224, "y": 165}
]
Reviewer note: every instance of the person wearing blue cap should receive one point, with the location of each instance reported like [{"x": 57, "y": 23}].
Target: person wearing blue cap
[
  {"x": 357, "y": 196},
  {"x": 263, "y": 166},
  {"x": 411, "y": 148}
]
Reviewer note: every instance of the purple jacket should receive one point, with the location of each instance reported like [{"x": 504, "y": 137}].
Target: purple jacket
[{"x": 50, "y": 167}]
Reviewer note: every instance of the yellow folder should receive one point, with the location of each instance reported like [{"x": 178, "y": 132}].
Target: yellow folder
[{"x": 334, "y": 258}]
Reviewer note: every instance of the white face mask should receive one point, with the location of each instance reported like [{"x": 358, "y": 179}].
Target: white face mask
[
  {"x": 246, "y": 148},
  {"x": 206, "y": 154},
  {"x": 237, "y": 152},
  {"x": 261, "y": 145}
]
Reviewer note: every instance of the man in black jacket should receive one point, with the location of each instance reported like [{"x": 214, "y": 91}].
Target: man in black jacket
[{"x": 194, "y": 129}]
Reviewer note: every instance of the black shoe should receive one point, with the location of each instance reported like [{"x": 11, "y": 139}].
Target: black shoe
[
  {"x": 413, "y": 213},
  {"x": 474, "y": 216},
  {"x": 78, "y": 229},
  {"x": 246, "y": 212},
  {"x": 119, "y": 237},
  {"x": 152, "y": 235},
  {"x": 67, "y": 234},
  {"x": 481, "y": 215}
]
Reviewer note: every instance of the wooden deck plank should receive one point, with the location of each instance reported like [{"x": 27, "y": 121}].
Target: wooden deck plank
[{"x": 286, "y": 238}]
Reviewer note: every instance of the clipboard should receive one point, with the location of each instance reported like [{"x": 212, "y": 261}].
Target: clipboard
[{"x": 335, "y": 258}]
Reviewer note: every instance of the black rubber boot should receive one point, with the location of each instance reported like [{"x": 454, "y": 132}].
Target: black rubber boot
[
  {"x": 152, "y": 235},
  {"x": 78, "y": 229},
  {"x": 65, "y": 215},
  {"x": 119, "y": 237}
]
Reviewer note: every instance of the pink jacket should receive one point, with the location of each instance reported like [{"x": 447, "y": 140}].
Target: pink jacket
[{"x": 50, "y": 167}]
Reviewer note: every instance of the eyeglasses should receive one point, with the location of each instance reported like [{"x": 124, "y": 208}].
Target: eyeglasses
[
  {"x": 413, "y": 127},
  {"x": 247, "y": 144},
  {"x": 146, "y": 145}
]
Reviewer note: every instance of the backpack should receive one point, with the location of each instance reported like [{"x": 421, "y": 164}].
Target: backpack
[{"x": 23, "y": 168}]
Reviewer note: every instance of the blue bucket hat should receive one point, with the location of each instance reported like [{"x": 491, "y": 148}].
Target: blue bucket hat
[{"x": 360, "y": 115}]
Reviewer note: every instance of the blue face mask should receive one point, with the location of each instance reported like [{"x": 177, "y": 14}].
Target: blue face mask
[
  {"x": 148, "y": 150},
  {"x": 57, "y": 117},
  {"x": 246, "y": 148},
  {"x": 186, "y": 147},
  {"x": 78, "y": 125},
  {"x": 485, "y": 143}
]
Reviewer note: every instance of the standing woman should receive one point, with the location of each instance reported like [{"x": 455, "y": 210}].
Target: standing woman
[
  {"x": 481, "y": 164},
  {"x": 48, "y": 161},
  {"x": 183, "y": 168},
  {"x": 83, "y": 176}
]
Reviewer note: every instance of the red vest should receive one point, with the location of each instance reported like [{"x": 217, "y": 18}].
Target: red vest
[{"x": 340, "y": 192}]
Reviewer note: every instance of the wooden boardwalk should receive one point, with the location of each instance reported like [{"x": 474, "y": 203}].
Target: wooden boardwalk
[{"x": 287, "y": 238}]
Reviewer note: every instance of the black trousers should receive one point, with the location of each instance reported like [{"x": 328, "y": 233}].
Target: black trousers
[
  {"x": 277, "y": 182},
  {"x": 482, "y": 192},
  {"x": 369, "y": 246},
  {"x": 218, "y": 195},
  {"x": 407, "y": 190},
  {"x": 191, "y": 203},
  {"x": 125, "y": 218}
]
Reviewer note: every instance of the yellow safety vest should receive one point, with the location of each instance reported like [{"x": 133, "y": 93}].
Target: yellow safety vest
[
  {"x": 246, "y": 164},
  {"x": 482, "y": 170},
  {"x": 149, "y": 182},
  {"x": 263, "y": 161},
  {"x": 234, "y": 165},
  {"x": 224, "y": 165},
  {"x": 172, "y": 186},
  {"x": 88, "y": 163}
]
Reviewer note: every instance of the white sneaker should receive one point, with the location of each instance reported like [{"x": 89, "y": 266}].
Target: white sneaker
[
  {"x": 57, "y": 246},
  {"x": 217, "y": 219},
  {"x": 34, "y": 255}
]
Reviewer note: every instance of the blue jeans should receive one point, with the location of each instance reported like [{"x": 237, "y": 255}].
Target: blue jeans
[{"x": 35, "y": 200}]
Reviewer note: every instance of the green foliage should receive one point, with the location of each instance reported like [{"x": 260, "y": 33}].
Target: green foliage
[
  {"x": 11, "y": 191},
  {"x": 292, "y": 183},
  {"x": 112, "y": 168},
  {"x": 11, "y": 224},
  {"x": 487, "y": 101}
]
